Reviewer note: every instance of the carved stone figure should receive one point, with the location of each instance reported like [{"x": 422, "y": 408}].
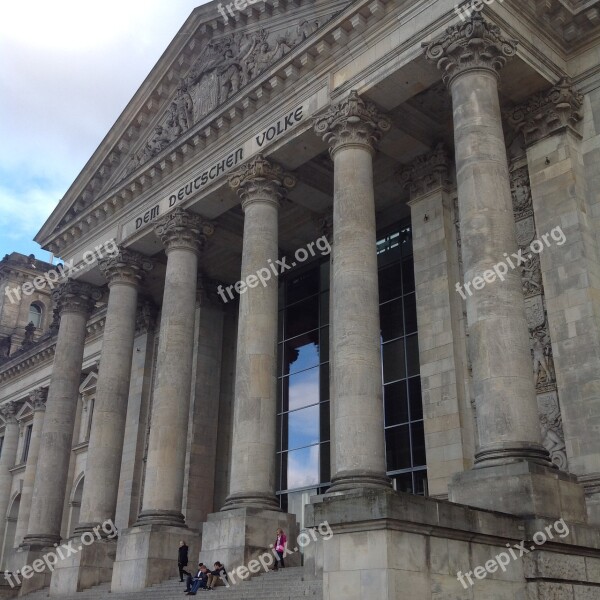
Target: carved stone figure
[
  {"x": 552, "y": 429},
  {"x": 28, "y": 339},
  {"x": 521, "y": 193},
  {"x": 541, "y": 350},
  {"x": 182, "y": 110},
  {"x": 531, "y": 275}
]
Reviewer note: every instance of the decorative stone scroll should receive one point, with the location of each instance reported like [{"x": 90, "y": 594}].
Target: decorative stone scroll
[
  {"x": 38, "y": 398},
  {"x": 428, "y": 172},
  {"x": 352, "y": 122},
  {"x": 475, "y": 44},
  {"x": 75, "y": 296},
  {"x": 548, "y": 113},
  {"x": 127, "y": 266},
  {"x": 8, "y": 412},
  {"x": 183, "y": 229},
  {"x": 261, "y": 179}
]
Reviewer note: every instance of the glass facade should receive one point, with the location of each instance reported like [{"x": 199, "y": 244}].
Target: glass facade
[{"x": 303, "y": 375}]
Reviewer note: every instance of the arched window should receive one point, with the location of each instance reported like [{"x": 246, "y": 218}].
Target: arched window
[{"x": 35, "y": 315}]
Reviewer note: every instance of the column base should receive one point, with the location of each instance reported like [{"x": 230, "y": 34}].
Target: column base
[
  {"x": 147, "y": 554},
  {"x": 26, "y": 555},
  {"x": 90, "y": 566},
  {"x": 170, "y": 518},
  {"x": 237, "y": 536},
  {"x": 346, "y": 481},
  {"x": 524, "y": 488},
  {"x": 502, "y": 454},
  {"x": 256, "y": 500}
]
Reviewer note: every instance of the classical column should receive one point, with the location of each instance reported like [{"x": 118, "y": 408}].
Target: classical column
[
  {"x": 352, "y": 129},
  {"x": 184, "y": 235},
  {"x": 471, "y": 56},
  {"x": 565, "y": 210},
  {"x": 38, "y": 400},
  {"x": 442, "y": 348},
  {"x": 124, "y": 273},
  {"x": 8, "y": 456},
  {"x": 260, "y": 185},
  {"x": 75, "y": 302}
]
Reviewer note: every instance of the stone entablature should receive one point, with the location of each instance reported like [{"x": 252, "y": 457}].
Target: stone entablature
[{"x": 297, "y": 64}]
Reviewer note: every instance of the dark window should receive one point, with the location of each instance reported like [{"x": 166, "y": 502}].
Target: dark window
[
  {"x": 26, "y": 443},
  {"x": 35, "y": 315}
]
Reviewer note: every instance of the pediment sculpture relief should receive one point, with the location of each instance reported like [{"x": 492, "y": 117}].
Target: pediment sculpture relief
[{"x": 223, "y": 67}]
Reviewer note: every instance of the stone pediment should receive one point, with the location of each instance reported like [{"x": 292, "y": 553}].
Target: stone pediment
[{"x": 209, "y": 66}]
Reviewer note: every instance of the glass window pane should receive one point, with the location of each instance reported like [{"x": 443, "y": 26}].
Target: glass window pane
[
  {"x": 390, "y": 317},
  {"x": 325, "y": 462},
  {"x": 421, "y": 484},
  {"x": 324, "y": 349},
  {"x": 412, "y": 355},
  {"x": 302, "y": 317},
  {"x": 407, "y": 246},
  {"x": 397, "y": 443},
  {"x": 303, "y": 467},
  {"x": 301, "y": 390},
  {"x": 418, "y": 444},
  {"x": 302, "y": 285},
  {"x": 410, "y": 313},
  {"x": 390, "y": 283},
  {"x": 393, "y": 361},
  {"x": 301, "y": 353},
  {"x": 283, "y": 470},
  {"x": 404, "y": 482},
  {"x": 302, "y": 426},
  {"x": 416, "y": 400},
  {"x": 396, "y": 403},
  {"x": 325, "y": 419},
  {"x": 408, "y": 275}
]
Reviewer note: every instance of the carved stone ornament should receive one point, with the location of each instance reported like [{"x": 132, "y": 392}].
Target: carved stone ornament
[
  {"x": 223, "y": 67},
  {"x": 183, "y": 229},
  {"x": 428, "y": 172},
  {"x": 8, "y": 412},
  {"x": 261, "y": 180},
  {"x": 75, "y": 296},
  {"x": 475, "y": 44},
  {"x": 127, "y": 266},
  {"x": 38, "y": 398},
  {"x": 521, "y": 193},
  {"x": 553, "y": 436},
  {"x": 548, "y": 113},
  {"x": 145, "y": 318},
  {"x": 352, "y": 122}
]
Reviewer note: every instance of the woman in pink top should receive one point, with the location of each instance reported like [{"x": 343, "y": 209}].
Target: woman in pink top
[{"x": 280, "y": 543}]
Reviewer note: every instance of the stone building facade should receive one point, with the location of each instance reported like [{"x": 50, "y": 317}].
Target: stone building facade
[{"x": 420, "y": 367}]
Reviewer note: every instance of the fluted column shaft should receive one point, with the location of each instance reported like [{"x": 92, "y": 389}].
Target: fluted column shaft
[
  {"x": 8, "y": 456},
  {"x": 471, "y": 55},
  {"x": 183, "y": 235},
  {"x": 124, "y": 272},
  {"x": 75, "y": 302},
  {"x": 260, "y": 185},
  {"x": 38, "y": 398},
  {"x": 352, "y": 129}
]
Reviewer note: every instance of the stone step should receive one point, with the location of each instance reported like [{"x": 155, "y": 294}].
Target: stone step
[{"x": 286, "y": 584}]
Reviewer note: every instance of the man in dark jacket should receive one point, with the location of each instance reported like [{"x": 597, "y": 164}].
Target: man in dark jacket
[
  {"x": 182, "y": 560},
  {"x": 200, "y": 581}
]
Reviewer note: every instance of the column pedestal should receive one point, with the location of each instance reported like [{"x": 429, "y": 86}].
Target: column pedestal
[
  {"x": 147, "y": 554},
  {"x": 235, "y": 537}
]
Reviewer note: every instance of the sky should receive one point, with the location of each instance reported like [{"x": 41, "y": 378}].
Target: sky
[{"x": 67, "y": 70}]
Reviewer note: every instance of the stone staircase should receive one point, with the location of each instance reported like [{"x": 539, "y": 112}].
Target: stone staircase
[{"x": 285, "y": 584}]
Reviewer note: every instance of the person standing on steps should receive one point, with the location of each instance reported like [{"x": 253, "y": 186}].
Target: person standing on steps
[
  {"x": 280, "y": 542},
  {"x": 182, "y": 560}
]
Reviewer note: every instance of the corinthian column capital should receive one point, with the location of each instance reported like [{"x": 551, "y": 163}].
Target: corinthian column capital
[
  {"x": 261, "y": 180},
  {"x": 427, "y": 172},
  {"x": 548, "y": 112},
  {"x": 183, "y": 230},
  {"x": 75, "y": 296},
  {"x": 473, "y": 45},
  {"x": 127, "y": 266},
  {"x": 9, "y": 413},
  {"x": 38, "y": 398},
  {"x": 352, "y": 122}
]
